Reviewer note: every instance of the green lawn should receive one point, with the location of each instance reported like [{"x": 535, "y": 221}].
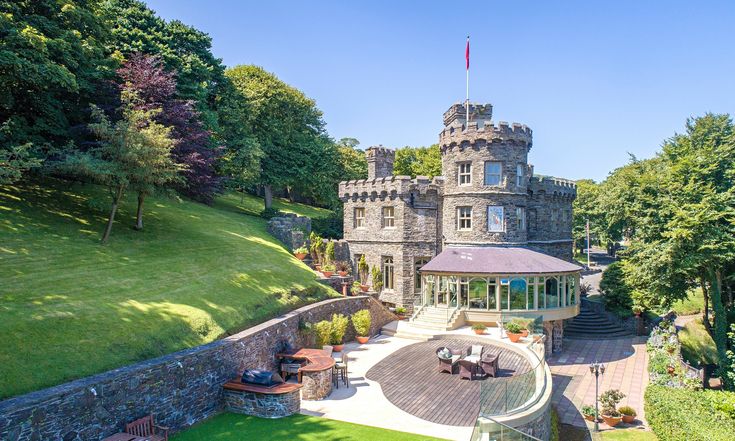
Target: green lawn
[
  {"x": 697, "y": 345},
  {"x": 692, "y": 305},
  {"x": 631, "y": 434},
  {"x": 70, "y": 307},
  {"x": 235, "y": 427}
]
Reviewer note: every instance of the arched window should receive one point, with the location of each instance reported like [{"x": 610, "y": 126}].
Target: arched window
[
  {"x": 552, "y": 292},
  {"x": 518, "y": 298},
  {"x": 478, "y": 298}
]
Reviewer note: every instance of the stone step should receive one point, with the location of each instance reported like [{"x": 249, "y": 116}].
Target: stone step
[{"x": 406, "y": 334}]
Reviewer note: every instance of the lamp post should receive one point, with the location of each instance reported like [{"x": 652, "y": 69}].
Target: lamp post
[{"x": 597, "y": 369}]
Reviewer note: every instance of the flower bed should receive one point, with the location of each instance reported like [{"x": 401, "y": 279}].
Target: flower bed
[{"x": 665, "y": 362}]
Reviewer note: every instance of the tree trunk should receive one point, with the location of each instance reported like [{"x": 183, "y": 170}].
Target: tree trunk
[
  {"x": 115, "y": 201},
  {"x": 291, "y": 197},
  {"x": 139, "y": 215},
  {"x": 720, "y": 326},
  {"x": 705, "y": 295},
  {"x": 268, "y": 196}
]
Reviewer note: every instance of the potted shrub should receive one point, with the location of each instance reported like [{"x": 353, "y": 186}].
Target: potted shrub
[
  {"x": 363, "y": 269},
  {"x": 589, "y": 412},
  {"x": 316, "y": 247},
  {"x": 479, "y": 328},
  {"x": 301, "y": 252},
  {"x": 609, "y": 400},
  {"x": 513, "y": 330},
  {"x": 401, "y": 312},
  {"x": 343, "y": 268},
  {"x": 628, "y": 414},
  {"x": 329, "y": 252},
  {"x": 526, "y": 325},
  {"x": 339, "y": 327},
  {"x": 637, "y": 310},
  {"x": 361, "y": 321},
  {"x": 377, "y": 277},
  {"x": 323, "y": 332},
  {"x": 328, "y": 270}
]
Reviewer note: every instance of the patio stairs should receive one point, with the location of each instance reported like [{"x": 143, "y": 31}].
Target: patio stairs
[
  {"x": 592, "y": 325},
  {"x": 436, "y": 318},
  {"x": 402, "y": 329}
]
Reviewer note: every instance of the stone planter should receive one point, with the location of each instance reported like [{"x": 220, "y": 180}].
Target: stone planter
[
  {"x": 362, "y": 340},
  {"x": 514, "y": 337},
  {"x": 611, "y": 421}
]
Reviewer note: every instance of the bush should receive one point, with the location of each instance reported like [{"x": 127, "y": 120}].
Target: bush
[
  {"x": 329, "y": 252},
  {"x": 339, "y": 327},
  {"x": 330, "y": 227},
  {"x": 270, "y": 213},
  {"x": 628, "y": 411},
  {"x": 361, "y": 321},
  {"x": 479, "y": 327},
  {"x": 685, "y": 415},
  {"x": 323, "y": 332},
  {"x": 609, "y": 401},
  {"x": 554, "y": 436},
  {"x": 513, "y": 328},
  {"x": 617, "y": 293},
  {"x": 377, "y": 278}
]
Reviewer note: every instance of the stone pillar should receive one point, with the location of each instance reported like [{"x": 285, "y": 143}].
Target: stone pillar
[
  {"x": 317, "y": 384},
  {"x": 549, "y": 333},
  {"x": 558, "y": 335}
]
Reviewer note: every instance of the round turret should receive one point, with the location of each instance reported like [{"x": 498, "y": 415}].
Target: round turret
[{"x": 487, "y": 174}]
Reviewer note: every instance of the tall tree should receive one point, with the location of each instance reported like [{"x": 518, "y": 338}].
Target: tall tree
[
  {"x": 352, "y": 160},
  {"x": 586, "y": 207},
  {"x": 51, "y": 59},
  {"x": 290, "y": 131},
  {"x": 418, "y": 161},
  {"x": 135, "y": 151}
]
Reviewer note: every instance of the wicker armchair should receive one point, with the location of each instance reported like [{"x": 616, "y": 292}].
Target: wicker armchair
[
  {"x": 467, "y": 369},
  {"x": 489, "y": 365}
]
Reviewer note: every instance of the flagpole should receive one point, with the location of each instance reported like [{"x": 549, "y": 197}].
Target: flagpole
[{"x": 467, "y": 100}]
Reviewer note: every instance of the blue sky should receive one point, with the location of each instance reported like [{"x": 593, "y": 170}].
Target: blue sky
[{"x": 594, "y": 80}]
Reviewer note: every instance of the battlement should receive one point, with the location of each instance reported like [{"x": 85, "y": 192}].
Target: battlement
[
  {"x": 489, "y": 132},
  {"x": 553, "y": 186},
  {"x": 391, "y": 186},
  {"x": 457, "y": 113}
]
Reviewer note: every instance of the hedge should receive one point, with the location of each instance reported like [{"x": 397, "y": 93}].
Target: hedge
[{"x": 686, "y": 415}]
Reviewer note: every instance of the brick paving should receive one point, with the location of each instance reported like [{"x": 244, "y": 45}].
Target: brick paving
[{"x": 626, "y": 364}]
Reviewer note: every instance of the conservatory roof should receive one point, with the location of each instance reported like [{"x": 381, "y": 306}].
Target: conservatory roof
[{"x": 497, "y": 260}]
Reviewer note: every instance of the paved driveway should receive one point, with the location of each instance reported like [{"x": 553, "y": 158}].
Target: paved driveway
[{"x": 626, "y": 361}]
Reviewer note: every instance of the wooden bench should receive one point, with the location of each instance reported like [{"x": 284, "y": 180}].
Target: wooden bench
[{"x": 146, "y": 428}]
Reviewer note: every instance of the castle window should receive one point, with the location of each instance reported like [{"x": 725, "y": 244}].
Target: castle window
[
  {"x": 465, "y": 173},
  {"x": 519, "y": 175},
  {"x": 418, "y": 263},
  {"x": 387, "y": 272},
  {"x": 359, "y": 217},
  {"x": 495, "y": 220},
  {"x": 521, "y": 218},
  {"x": 493, "y": 173},
  {"x": 464, "y": 218},
  {"x": 388, "y": 217}
]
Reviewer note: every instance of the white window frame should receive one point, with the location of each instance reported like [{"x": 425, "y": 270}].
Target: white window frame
[
  {"x": 464, "y": 217},
  {"x": 464, "y": 177},
  {"x": 502, "y": 219},
  {"x": 389, "y": 221},
  {"x": 359, "y": 220},
  {"x": 499, "y": 174},
  {"x": 520, "y": 175}
]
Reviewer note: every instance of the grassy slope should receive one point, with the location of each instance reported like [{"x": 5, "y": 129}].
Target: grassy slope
[
  {"x": 252, "y": 205},
  {"x": 694, "y": 304},
  {"x": 696, "y": 344},
  {"x": 234, "y": 427},
  {"x": 70, "y": 307}
]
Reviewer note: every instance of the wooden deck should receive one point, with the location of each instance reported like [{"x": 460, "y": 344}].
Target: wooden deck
[{"x": 410, "y": 379}]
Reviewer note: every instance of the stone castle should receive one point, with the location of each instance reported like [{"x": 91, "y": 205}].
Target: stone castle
[{"x": 487, "y": 196}]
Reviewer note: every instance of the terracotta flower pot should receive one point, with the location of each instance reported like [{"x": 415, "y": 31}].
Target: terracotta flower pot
[
  {"x": 479, "y": 331},
  {"x": 362, "y": 340},
  {"x": 589, "y": 418},
  {"x": 342, "y": 273},
  {"x": 524, "y": 333},
  {"x": 611, "y": 421},
  {"x": 514, "y": 337},
  {"x": 364, "y": 288},
  {"x": 317, "y": 267},
  {"x": 628, "y": 419},
  {"x": 670, "y": 370},
  {"x": 300, "y": 256},
  {"x": 328, "y": 274},
  {"x": 338, "y": 348}
]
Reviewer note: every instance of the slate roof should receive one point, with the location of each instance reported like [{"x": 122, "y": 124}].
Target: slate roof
[{"x": 497, "y": 260}]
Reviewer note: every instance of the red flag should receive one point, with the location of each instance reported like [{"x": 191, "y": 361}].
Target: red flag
[{"x": 467, "y": 53}]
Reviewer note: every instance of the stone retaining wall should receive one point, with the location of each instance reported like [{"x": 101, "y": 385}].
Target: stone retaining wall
[
  {"x": 180, "y": 389},
  {"x": 262, "y": 405},
  {"x": 290, "y": 229}
]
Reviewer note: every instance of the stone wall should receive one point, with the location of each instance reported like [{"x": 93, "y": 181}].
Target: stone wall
[
  {"x": 539, "y": 427},
  {"x": 262, "y": 405},
  {"x": 290, "y": 229},
  {"x": 180, "y": 389}
]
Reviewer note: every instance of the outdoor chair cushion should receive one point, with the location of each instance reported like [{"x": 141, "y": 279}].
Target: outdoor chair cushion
[
  {"x": 477, "y": 350},
  {"x": 444, "y": 353}
]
